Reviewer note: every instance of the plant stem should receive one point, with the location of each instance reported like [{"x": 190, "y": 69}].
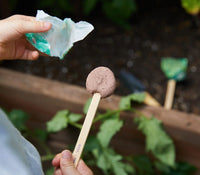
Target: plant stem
[
  {"x": 109, "y": 113},
  {"x": 77, "y": 125},
  {"x": 136, "y": 112},
  {"x": 45, "y": 147},
  {"x": 47, "y": 157}
]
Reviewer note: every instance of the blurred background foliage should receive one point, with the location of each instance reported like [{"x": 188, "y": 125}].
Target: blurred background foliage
[
  {"x": 118, "y": 11},
  {"x": 191, "y": 6}
]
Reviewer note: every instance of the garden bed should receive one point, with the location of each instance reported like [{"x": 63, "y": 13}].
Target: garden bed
[
  {"x": 157, "y": 30},
  {"x": 42, "y": 98}
]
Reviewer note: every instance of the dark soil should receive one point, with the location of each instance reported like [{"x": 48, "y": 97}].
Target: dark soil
[{"x": 158, "y": 30}]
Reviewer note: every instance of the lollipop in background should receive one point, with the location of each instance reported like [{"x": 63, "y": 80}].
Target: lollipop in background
[
  {"x": 101, "y": 83},
  {"x": 174, "y": 70}
]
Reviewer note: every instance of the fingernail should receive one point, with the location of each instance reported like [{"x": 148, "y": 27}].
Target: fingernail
[
  {"x": 47, "y": 25},
  {"x": 66, "y": 155}
]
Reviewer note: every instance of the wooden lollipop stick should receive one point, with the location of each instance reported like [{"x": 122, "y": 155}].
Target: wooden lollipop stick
[
  {"x": 86, "y": 128},
  {"x": 171, "y": 85}
]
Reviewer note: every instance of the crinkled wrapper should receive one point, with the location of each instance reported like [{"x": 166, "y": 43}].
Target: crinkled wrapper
[{"x": 60, "y": 38}]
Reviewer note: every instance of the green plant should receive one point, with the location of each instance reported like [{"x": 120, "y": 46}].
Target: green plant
[
  {"x": 98, "y": 151},
  {"x": 191, "y": 6},
  {"x": 56, "y": 7},
  {"x": 118, "y": 11}
]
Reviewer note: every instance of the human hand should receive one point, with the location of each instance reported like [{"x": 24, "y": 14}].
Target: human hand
[
  {"x": 63, "y": 163},
  {"x": 13, "y": 43}
]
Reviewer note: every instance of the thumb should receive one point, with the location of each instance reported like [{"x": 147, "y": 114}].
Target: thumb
[
  {"x": 17, "y": 25},
  {"x": 66, "y": 164},
  {"x": 28, "y": 24}
]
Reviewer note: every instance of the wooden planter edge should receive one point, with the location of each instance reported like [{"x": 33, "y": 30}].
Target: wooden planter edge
[{"x": 42, "y": 97}]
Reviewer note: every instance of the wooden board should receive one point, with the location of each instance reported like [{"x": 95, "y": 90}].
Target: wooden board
[{"x": 42, "y": 98}]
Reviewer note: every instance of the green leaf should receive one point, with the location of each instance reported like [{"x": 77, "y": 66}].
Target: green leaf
[
  {"x": 74, "y": 117},
  {"x": 41, "y": 134},
  {"x": 65, "y": 5},
  {"x": 103, "y": 161},
  {"x": 107, "y": 159},
  {"x": 88, "y": 6},
  {"x": 191, "y": 6},
  {"x": 119, "y": 11},
  {"x": 12, "y": 4},
  {"x": 50, "y": 171},
  {"x": 18, "y": 118},
  {"x": 86, "y": 106},
  {"x": 56, "y": 7},
  {"x": 129, "y": 168},
  {"x": 58, "y": 122},
  {"x": 157, "y": 141},
  {"x": 181, "y": 168},
  {"x": 111, "y": 161},
  {"x": 125, "y": 102},
  {"x": 143, "y": 164},
  {"x": 138, "y": 97},
  {"x": 107, "y": 130},
  {"x": 46, "y": 3},
  {"x": 92, "y": 143}
]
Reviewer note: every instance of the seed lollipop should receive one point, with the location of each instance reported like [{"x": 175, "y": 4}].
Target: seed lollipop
[
  {"x": 101, "y": 83},
  {"x": 174, "y": 70}
]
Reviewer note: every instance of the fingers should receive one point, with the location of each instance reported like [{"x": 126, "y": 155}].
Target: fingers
[
  {"x": 26, "y": 51},
  {"x": 27, "y": 24},
  {"x": 66, "y": 164},
  {"x": 29, "y": 55},
  {"x": 16, "y": 26},
  {"x": 57, "y": 171},
  {"x": 56, "y": 160},
  {"x": 83, "y": 168}
]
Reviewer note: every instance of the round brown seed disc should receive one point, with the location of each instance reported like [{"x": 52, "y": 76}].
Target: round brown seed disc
[{"x": 101, "y": 80}]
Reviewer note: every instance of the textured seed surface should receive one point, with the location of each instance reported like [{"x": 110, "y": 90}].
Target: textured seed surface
[{"x": 101, "y": 80}]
